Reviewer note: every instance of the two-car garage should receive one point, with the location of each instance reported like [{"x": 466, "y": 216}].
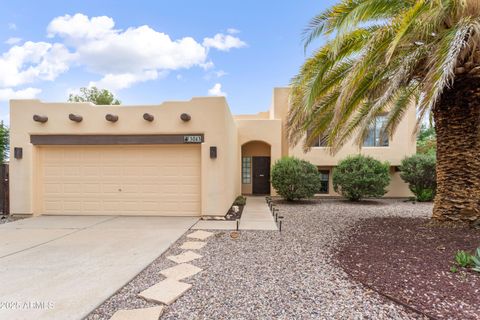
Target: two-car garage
[
  {"x": 178, "y": 158},
  {"x": 119, "y": 180}
]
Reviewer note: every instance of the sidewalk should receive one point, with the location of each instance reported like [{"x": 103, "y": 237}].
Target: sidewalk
[{"x": 255, "y": 216}]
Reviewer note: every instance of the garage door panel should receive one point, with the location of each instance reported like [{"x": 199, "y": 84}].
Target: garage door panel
[{"x": 130, "y": 180}]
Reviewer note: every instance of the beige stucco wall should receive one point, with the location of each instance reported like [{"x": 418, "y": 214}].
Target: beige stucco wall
[
  {"x": 400, "y": 146},
  {"x": 220, "y": 180}
]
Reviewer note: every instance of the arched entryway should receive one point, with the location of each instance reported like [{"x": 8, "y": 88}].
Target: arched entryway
[{"x": 256, "y": 157}]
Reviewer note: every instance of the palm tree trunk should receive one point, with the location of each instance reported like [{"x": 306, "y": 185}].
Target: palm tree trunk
[{"x": 457, "y": 124}]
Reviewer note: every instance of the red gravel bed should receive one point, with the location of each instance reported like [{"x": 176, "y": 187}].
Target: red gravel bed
[{"x": 409, "y": 260}]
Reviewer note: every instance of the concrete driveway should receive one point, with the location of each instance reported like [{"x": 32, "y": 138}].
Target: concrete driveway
[{"x": 62, "y": 267}]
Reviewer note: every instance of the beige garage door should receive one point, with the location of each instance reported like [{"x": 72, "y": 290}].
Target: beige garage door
[{"x": 126, "y": 180}]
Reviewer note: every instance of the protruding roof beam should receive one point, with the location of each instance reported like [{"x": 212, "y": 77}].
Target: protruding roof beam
[
  {"x": 39, "y": 118},
  {"x": 111, "y": 117},
  {"x": 148, "y": 117},
  {"x": 185, "y": 117},
  {"x": 75, "y": 117}
]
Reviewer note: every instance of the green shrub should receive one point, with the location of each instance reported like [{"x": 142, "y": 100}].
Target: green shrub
[
  {"x": 463, "y": 258},
  {"x": 358, "y": 177},
  {"x": 419, "y": 172},
  {"x": 295, "y": 179},
  {"x": 240, "y": 201}
]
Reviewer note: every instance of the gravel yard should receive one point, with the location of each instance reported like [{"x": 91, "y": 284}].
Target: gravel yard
[
  {"x": 402, "y": 257},
  {"x": 272, "y": 275}
]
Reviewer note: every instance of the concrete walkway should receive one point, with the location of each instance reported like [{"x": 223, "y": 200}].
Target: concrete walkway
[
  {"x": 59, "y": 267},
  {"x": 255, "y": 216}
]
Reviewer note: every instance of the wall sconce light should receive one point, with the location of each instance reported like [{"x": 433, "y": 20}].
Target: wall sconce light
[
  {"x": 213, "y": 152},
  {"x": 18, "y": 153}
]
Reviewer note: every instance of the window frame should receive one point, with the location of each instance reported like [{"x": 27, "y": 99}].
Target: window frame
[
  {"x": 327, "y": 173},
  {"x": 246, "y": 170},
  {"x": 376, "y": 134},
  {"x": 320, "y": 142}
]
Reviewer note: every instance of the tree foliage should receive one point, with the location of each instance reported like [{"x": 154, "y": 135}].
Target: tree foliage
[
  {"x": 419, "y": 172},
  {"x": 358, "y": 177},
  {"x": 4, "y": 142},
  {"x": 427, "y": 141},
  {"x": 95, "y": 96},
  {"x": 295, "y": 179},
  {"x": 382, "y": 56}
]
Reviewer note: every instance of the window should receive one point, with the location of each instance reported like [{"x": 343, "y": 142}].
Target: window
[
  {"x": 320, "y": 141},
  {"x": 324, "y": 179},
  {"x": 374, "y": 138},
  {"x": 246, "y": 170}
]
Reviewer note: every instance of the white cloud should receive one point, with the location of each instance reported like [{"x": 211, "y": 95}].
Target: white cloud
[
  {"x": 124, "y": 57},
  {"x": 120, "y": 57},
  {"x": 13, "y": 40},
  {"x": 116, "y": 82},
  {"x": 105, "y": 50},
  {"x": 33, "y": 61},
  {"x": 216, "y": 90},
  {"x": 79, "y": 27},
  {"x": 12, "y": 26},
  {"x": 223, "y": 42},
  {"x": 233, "y": 31},
  {"x": 9, "y": 93}
]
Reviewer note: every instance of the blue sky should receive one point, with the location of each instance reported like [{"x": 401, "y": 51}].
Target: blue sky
[{"x": 152, "y": 51}]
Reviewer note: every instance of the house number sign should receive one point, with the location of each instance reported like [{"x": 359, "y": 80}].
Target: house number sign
[{"x": 192, "y": 139}]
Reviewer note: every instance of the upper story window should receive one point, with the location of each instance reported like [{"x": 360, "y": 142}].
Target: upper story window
[
  {"x": 320, "y": 141},
  {"x": 374, "y": 138}
]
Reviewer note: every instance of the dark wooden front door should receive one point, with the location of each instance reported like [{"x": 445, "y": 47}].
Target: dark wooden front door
[{"x": 261, "y": 175}]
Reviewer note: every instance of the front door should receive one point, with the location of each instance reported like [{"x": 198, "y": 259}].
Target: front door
[{"x": 261, "y": 175}]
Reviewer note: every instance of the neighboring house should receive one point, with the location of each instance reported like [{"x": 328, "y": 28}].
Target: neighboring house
[{"x": 178, "y": 158}]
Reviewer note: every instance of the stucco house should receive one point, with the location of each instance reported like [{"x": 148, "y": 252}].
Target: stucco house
[{"x": 178, "y": 158}]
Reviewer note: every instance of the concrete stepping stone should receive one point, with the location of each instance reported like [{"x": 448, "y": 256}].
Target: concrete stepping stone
[
  {"x": 166, "y": 291},
  {"x": 152, "y": 313},
  {"x": 200, "y": 234},
  {"x": 193, "y": 245},
  {"x": 185, "y": 256},
  {"x": 181, "y": 271}
]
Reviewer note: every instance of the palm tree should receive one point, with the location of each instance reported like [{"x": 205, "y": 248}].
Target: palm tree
[{"x": 382, "y": 57}]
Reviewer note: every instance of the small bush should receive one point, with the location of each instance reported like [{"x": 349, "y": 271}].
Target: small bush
[
  {"x": 295, "y": 179},
  {"x": 358, "y": 177},
  {"x": 463, "y": 258},
  {"x": 419, "y": 172},
  {"x": 240, "y": 201}
]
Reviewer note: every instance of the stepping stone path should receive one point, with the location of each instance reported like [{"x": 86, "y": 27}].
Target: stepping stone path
[
  {"x": 166, "y": 291},
  {"x": 200, "y": 234},
  {"x": 193, "y": 245},
  {"x": 145, "y": 314},
  {"x": 183, "y": 257},
  {"x": 170, "y": 289},
  {"x": 181, "y": 271}
]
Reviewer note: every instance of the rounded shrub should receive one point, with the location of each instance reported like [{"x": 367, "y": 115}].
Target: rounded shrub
[
  {"x": 358, "y": 177},
  {"x": 420, "y": 174},
  {"x": 295, "y": 179}
]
